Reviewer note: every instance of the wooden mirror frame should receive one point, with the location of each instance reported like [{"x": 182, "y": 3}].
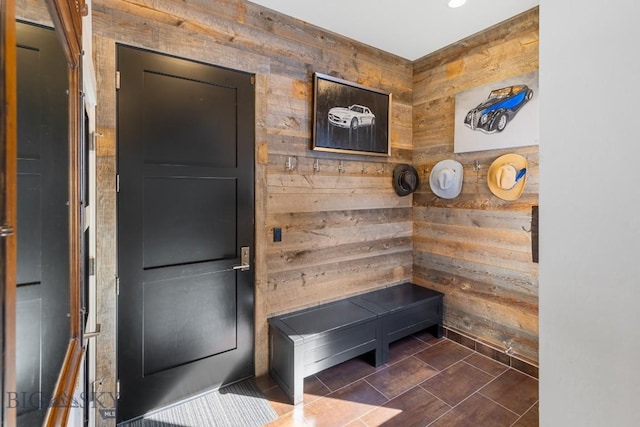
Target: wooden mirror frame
[
  {"x": 67, "y": 18},
  {"x": 8, "y": 211}
]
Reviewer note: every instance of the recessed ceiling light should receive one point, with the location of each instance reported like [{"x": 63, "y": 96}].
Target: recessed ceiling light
[{"x": 456, "y": 3}]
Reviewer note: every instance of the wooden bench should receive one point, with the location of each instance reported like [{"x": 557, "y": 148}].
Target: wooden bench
[{"x": 308, "y": 341}]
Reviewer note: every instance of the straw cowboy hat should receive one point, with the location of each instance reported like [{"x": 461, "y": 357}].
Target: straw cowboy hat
[
  {"x": 446, "y": 179},
  {"x": 405, "y": 179},
  {"x": 507, "y": 176}
]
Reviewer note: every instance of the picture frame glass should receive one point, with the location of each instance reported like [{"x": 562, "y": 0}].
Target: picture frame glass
[{"x": 350, "y": 118}]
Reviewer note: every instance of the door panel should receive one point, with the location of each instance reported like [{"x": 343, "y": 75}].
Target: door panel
[
  {"x": 30, "y": 238},
  {"x": 42, "y": 308},
  {"x": 204, "y": 112},
  {"x": 185, "y": 209},
  {"x": 181, "y": 232},
  {"x": 172, "y": 339}
]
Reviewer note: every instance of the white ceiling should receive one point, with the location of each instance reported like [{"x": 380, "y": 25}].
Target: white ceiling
[{"x": 407, "y": 28}]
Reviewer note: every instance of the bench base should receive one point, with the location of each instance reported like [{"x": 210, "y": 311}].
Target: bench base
[{"x": 308, "y": 341}]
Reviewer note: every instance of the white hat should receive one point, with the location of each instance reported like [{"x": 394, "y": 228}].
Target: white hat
[{"x": 446, "y": 179}]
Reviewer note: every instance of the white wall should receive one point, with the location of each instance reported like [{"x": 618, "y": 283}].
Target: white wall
[{"x": 589, "y": 213}]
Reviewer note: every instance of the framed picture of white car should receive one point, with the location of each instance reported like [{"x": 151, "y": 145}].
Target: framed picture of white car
[{"x": 350, "y": 118}]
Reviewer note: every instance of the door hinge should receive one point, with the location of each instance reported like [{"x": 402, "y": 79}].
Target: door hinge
[
  {"x": 6, "y": 231},
  {"x": 118, "y": 390},
  {"x": 117, "y": 79},
  {"x": 92, "y": 266},
  {"x": 92, "y": 142},
  {"x": 118, "y": 183},
  {"x": 117, "y": 286}
]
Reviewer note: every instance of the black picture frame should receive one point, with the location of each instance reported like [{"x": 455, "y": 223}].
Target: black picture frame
[{"x": 350, "y": 118}]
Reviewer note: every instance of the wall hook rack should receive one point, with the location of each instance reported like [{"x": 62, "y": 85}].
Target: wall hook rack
[{"x": 316, "y": 165}]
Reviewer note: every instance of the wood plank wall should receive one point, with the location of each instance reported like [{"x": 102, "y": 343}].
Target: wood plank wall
[
  {"x": 342, "y": 232},
  {"x": 474, "y": 248}
]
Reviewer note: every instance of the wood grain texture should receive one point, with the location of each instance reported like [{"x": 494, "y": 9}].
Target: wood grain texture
[
  {"x": 365, "y": 240},
  {"x": 476, "y": 248},
  {"x": 8, "y": 210},
  {"x": 106, "y": 209}
]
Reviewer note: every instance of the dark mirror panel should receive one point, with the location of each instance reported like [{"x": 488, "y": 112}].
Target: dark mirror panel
[{"x": 42, "y": 322}]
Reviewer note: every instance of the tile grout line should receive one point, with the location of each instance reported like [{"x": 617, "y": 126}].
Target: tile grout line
[
  {"x": 524, "y": 373},
  {"x": 325, "y": 386},
  {"x": 412, "y": 354},
  {"x": 524, "y": 413},
  {"x": 500, "y": 404},
  {"x": 370, "y": 410},
  {"x": 452, "y": 407},
  {"x": 477, "y": 390},
  {"x": 374, "y": 387},
  {"x": 352, "y": 382},
  {"x": 466, "y": 398},
  {"x": 506, "y": 368}
]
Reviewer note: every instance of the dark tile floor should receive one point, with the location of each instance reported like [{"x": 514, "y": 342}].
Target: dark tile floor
[{"x": 427, "y": 382}]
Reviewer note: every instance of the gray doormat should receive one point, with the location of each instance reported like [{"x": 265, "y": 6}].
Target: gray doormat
[{"x": 237, "y": 405}]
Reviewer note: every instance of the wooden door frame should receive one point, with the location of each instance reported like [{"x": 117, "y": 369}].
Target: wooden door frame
[{"x": 67, "y": 18}]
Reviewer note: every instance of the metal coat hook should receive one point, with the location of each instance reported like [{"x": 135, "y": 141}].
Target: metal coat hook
[
  {"x": 288, "y": 165},
  {"x": 363, "y": 169},
  {"x": 425, "y": 170},
  {"x": 476, "y": 166},
  {"x": 316, "y": 165},
  {"x": 340, "y": 167}
]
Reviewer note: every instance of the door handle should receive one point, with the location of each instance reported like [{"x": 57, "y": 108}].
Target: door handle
[
  {"x": 6, "y": 231},
  {"x": 245, "y": 263},
  {"x": 92, "y": 334}
]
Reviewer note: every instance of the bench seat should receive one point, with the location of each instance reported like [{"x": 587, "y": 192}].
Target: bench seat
[{"x": 308, "y": 341}]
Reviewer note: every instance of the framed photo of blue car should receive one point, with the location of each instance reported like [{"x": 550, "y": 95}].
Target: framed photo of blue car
[
  {"x": 350, "y": 118},
  {"x": 502, "y": 114}
]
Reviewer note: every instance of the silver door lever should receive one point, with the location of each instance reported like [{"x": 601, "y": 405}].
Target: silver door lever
[{"x": 244, "y": 260}]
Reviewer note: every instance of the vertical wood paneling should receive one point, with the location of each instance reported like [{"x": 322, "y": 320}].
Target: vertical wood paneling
[
  {"x": 476, "y": 248},
  {"x": 344, "y": 232},
  {"x": 106, "y": 211}
]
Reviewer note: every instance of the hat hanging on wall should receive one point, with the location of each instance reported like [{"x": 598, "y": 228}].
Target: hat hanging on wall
[
  {"x": 446, "y": 179},
  {"x": 405, "y": 179},
  {"x": 507, "y": 176}
]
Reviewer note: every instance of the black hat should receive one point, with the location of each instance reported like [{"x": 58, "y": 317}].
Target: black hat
[{"x": 405, "y": 179}]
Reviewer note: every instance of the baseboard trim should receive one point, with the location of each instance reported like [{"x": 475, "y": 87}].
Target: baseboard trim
[{"x": 515, "y": 361}]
